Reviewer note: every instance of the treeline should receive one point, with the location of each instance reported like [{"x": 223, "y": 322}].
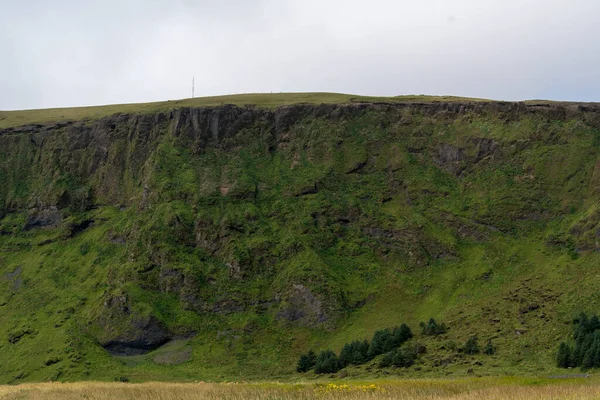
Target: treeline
[
  {"x": 586, "y": 351},
  {"x": 386, "y": 341}
]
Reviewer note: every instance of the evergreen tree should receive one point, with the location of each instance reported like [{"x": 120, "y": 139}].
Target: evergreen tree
[
  {"x": 400, "y": 335},
  {"x": 361, "y": 354},
  {"x": 432, "y": 328},
  {"x": 356, "y": 353},
  {"x": 387, "y": 360},
  {"x": 404, "y": 358},
  {"x": 346, "y": 354},
  {"x": 563, "y": 358},
  {"x": 306, "y": 362},
  {"x": 489, "y": 348},
  {"x": 381, "y": 343},
  {"x": 586, "y": 353},
  {"x": 471, "y": 346},
  {"x": 327, "y": 363}
]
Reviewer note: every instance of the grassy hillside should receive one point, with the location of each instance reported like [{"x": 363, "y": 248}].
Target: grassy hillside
[{"x": 228, "y": 240}]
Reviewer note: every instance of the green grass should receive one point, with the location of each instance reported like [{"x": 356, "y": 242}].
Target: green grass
[{"x": 39, "y": 116}]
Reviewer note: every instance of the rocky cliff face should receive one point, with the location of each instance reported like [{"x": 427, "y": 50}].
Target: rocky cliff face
[{"x": 163, "y": 225}]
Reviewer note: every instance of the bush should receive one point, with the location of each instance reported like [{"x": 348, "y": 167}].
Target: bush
[
  {"x": 563, "y": 358},
  {"x": 306, "y": 362},
  {"x": 387, "y": 340},
  {"x": 355, "y": 353},
  {"x": 432, "y": 328},
  {"x": 471, "y": 346},
  {"x": 402, "y": 358},
  {"x": 359, "y": 352},
  {"x": 586, "y": 353},
  {"x": 387, "y": 360},
  {"x": 381, "y": 343},
  {"x": 489, "y": 348},
  {"x": 401, "y": 334},
  {"x": 327, "y": 363}
]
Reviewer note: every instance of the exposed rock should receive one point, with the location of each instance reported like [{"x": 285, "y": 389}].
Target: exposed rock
[
  {"x": 190, "y": 294},
  {"x": 486, "y": 148},
  {"x": 450, "y": 158},
  {"x": 306, "y": 190},
  {"x": 77, "y": 228},
  {"x": 43, "y": 218},
  {"x": 125, "y": 333},
  {"x": 16, "y": 335},
  {"x": 144, "y": 334},
  {"x": 411, "y": 243},
  {"x": 303, "y": 307},
  {"x": 230, "y": 306},
  {"x": 529, "y": 308},
  {"x": 170, "y": 280},
  {"x": 116, "y": 238},
  {"x": 14, "y": 277}
]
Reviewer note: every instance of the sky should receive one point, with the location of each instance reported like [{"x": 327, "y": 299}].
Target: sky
[{"x": 73, "y": 53}]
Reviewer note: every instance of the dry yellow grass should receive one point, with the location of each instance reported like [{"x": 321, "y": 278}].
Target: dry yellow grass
[{"x": 467, "y": 389}]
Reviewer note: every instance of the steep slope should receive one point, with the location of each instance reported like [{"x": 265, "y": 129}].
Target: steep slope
[{"x": 241, "y": 236}]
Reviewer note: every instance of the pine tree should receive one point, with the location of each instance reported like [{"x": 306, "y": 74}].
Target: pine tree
[
  {"x": 387, "y": 360},
  {"x": 489, "y": 348},
  {"x": 381, "y": 343},
  {"x": 471, "y": 346},
  {"x": 327, "y": 363},
  {"x": 346, "y": 354},
  {"x": 563, "y": 358},
  {"x": 401, "y": 334},
  {"x": 432, "y": 328},
  {"x": 306, "y": 362}
]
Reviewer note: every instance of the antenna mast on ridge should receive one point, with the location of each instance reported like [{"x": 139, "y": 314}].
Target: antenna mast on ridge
[{"x": 193, "y": 87}]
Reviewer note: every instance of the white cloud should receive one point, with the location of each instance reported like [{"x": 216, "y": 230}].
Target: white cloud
[{"x": 68, "y": 53}]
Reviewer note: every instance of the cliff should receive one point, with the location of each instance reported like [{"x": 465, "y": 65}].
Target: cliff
[{"x": 251, "y": 234}]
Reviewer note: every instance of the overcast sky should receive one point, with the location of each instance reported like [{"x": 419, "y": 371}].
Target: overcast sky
[{"x": 73, "y": 52}]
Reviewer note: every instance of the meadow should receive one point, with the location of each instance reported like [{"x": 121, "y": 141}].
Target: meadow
[{"x": 459, "y": 389}]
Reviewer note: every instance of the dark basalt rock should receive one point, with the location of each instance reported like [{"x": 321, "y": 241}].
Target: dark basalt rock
[
  {"x": 146, "y": 335},
  {"x": 43, "y": 218},
  {"x": 303, "y": 307},
  {"x": 125, "y": 333},
  {"x": 450, "y": 158}
]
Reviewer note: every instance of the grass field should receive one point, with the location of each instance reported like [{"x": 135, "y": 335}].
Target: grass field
[
  {"x": 24, "y": 117},
  {"x": 476, "y": 389}
]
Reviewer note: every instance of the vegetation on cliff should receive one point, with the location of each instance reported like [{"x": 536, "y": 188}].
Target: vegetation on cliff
[{"x": 224, "y": 241}]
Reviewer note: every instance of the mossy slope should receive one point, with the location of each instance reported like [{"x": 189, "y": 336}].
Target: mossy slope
[{"x": 261, "y": 232}]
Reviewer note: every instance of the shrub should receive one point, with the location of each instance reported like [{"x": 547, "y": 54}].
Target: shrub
[
  {"x": 356, "y": 353},
  {"x": 327, "y": 363},
  {"x": 381, "y": 343},
  {"x": 402, "y": 358},
  {"x": 563, "y": 358},
  {"x": 471, "y": 346},
  {"x": 432, "y": 328},
  {"x": 489, "y": 348},
  {"x": 387, "y": 340},
  {"x": 586, "y": 353},
  {"x": 401, "y": 334},
  {"x": 387, "y": 360},
  {"x": 306, "y": 362}
]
